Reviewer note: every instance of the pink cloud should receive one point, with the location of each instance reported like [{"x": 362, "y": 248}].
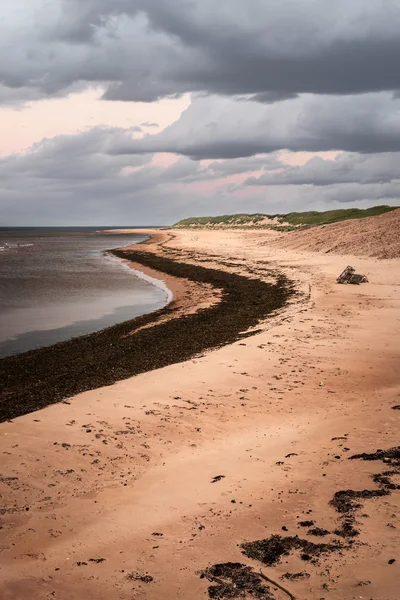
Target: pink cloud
[{"x": 25, "y": 126}]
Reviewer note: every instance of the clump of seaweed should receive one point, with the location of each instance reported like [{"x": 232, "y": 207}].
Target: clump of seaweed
[
  {"x": 143, "y": 577},
  {"x": 383, "y": 479},
  {"x": 296, "y": 576},
  {"x": 234, "y": 580},
  {"x": 347, "y": 530},
  {"x": 345, "y": 501},
  {"x": 306, "y": 523},
  {"x": 391, "y": 456},
  {"x": 271, "y": 550},
  {"x": 318, "y": 532}
]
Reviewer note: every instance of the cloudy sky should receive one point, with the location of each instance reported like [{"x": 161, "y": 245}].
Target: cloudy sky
[{"x": 125, "y": 112}]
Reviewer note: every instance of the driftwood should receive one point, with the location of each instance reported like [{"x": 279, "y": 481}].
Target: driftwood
[
  {"x": 349, "y": 275},
  {"x": 278, "y": 585}
]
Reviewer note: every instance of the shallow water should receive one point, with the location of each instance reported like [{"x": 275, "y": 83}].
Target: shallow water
[{"x": 59, "y": 283}]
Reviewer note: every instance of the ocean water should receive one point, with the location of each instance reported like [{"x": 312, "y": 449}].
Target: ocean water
[{"x": 56, "y": 284}]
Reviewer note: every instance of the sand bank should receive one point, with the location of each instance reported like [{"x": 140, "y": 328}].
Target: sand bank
[{"x": 120, "y": 481}]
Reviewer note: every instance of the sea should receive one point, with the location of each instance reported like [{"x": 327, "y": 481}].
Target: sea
[{"x": 60, "y": 283}]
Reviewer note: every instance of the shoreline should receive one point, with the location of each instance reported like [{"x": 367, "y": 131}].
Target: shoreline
[
  {"x": 133, "y": 490},
  {"x": 35, "y": 379},
  {"x": 40, "y": 326}
]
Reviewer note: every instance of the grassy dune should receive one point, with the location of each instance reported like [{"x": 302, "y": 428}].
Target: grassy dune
[{"x": 288, "y": 221}]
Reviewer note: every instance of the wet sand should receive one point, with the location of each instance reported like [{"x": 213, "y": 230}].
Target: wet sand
[{"x": 130, "y": 490}]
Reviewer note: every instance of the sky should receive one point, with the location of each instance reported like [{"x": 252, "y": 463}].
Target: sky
[{"x": 143, "y": 112}]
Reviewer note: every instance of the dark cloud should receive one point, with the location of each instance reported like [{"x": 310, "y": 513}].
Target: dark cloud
[
  {"x": 216, "y": 127},
  {"x": 344, "y": 169},
  {"x": 271, "y": 97},
  {"x": 78, "y": 179},
  {"x": 143, "y": 50},
  {"x": 300, "y": 75}
]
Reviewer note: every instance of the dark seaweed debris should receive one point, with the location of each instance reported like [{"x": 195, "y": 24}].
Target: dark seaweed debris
[
  {"x": 391, "y": 456},
  {"x": 318, "y": 531},
  {"x": 347, "y": 530},
  {"x": 234, "y": 580},
  {"x": 346, "y": 500},
  {"x": 35, "y": 379},
  {"x": 296, "y": 576},
  {"x": 217, "y": 478},
  {"x": 271, "y": 550},
  {"x": 383, "y": 479},
  {"x": 97, "y": 561},
  {"x": 144, "y": 578}
]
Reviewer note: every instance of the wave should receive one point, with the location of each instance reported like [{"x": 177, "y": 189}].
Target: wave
[{"x": 16, "y": 246}]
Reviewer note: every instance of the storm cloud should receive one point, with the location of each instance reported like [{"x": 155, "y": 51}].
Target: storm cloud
[
  {"x": 345, "y": 168},
  {"x": 216, "y": 127},
  {"x": 80, "y": 178},
  {"x": 267, "y": 81},
  {"x": 142, "y": 50}
]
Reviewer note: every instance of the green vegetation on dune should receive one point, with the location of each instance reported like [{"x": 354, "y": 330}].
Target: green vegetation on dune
[
  {"x": 286, "y": 222},
  {"x": 333, "y": 216},
  {"x": 220, "y": 220}
]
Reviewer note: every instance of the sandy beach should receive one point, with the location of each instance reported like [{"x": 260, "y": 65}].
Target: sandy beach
[{"x": 129, "y": 491}]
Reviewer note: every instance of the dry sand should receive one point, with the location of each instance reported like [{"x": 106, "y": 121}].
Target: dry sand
[{"x": 124, "y": 473}]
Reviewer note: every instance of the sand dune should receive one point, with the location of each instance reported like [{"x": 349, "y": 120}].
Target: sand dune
[{"x": 374, "y": 236}]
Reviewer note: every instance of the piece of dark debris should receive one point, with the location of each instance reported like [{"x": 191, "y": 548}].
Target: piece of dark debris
[
  {"x": 217, "y": 478},
  {"x": 349, "y": 275},
  {"x": 306, "y": 523},
  {"x": 318, "y": 531},
  {"x": 144, "y": 578},
  {"x": 296, "y": 576},
  {"x": 97, "y": 561}
]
